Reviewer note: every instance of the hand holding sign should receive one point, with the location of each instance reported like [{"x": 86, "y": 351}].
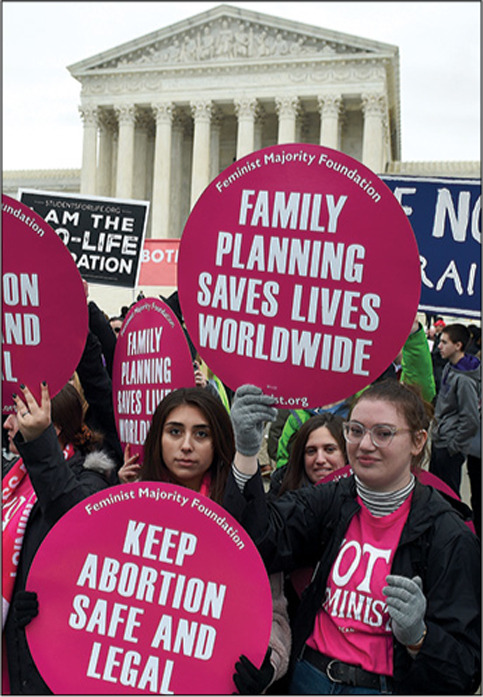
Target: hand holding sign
[
  {"x": 250, "y": 410},
  {"x": 33, "y": 418},
  {"x": 131, "y": 468},
  {"x": 251, "y": 680},
  {"x": 25, "y": 607}
]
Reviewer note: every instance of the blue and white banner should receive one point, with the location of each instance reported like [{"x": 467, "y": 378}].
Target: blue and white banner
[{"x": 445, "y": 215}]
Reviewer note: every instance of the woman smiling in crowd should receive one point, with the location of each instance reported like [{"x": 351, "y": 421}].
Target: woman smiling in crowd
[
  {"x": 394, "y": 601},
  {"x": 318, "y": 450}
]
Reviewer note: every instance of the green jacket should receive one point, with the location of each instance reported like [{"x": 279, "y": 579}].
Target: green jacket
[
  {"x": 417, "y": 365},
  {"x": 220, "y": 388}
]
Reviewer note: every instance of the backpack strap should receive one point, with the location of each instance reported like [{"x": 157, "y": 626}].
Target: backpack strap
[{"x": 295, "y": 413}]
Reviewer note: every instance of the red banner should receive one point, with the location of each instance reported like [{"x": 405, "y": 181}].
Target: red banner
[{"x": 159, "y": 263}]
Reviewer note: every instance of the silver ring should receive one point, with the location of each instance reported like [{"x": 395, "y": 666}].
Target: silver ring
[{"x": 25, "y": 413}]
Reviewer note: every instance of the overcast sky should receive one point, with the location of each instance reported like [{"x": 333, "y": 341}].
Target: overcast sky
[{"x": 439, "y": 44}]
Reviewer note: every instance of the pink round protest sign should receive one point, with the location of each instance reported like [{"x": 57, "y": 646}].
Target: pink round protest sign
[
  {"x": 152, "y": 358},
  {"x": 160, "y": 593},
  {"x": 298, "y": 272},
  {"x": 44, "y": 307}
]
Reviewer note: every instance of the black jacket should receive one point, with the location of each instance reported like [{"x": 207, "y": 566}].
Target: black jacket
[
  {"x": 306, "y": 528},
  {"x": 97, "y": 385},
  {"x": 59, "y": 486}
]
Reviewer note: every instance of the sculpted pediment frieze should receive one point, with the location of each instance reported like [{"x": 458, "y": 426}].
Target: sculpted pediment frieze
[{"x": 231, "y": 39}]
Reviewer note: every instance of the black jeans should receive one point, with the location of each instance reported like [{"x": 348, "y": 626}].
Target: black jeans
[{"x": 447, "y": 467}]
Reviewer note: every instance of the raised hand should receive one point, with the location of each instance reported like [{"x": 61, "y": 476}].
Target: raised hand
[
  {"x": 200, "y": 379},
  {"x": 250, "y": 411},
  {"x": 33, "y": 418},
  {"x": 130, "y": 470}
]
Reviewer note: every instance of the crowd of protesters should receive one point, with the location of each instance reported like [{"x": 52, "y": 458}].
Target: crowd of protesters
[{"x": 374, "y": 572}]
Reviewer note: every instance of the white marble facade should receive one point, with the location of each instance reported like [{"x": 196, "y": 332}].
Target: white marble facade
[{"x": 165, "y": 113}]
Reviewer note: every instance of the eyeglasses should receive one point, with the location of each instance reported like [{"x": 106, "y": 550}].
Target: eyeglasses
[{"x": 381, "y": 434}]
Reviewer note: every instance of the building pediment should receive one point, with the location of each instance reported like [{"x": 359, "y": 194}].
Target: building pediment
[{"x": 227, "y": 34}]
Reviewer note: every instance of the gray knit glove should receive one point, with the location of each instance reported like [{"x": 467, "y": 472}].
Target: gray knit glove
[
  {"x": 249, "y": 412},
  {"x": 406, "y": 605}
]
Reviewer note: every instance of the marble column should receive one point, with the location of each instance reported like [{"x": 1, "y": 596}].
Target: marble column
[
  {"x": 89, "y": 150},
  {"x": 178, "y": 126},
  {"x": 200, "y": 176},
  {"x": 140, "y": 155},
  {"x": 287, "y": 109},
  {"x": 126, "y": 115},
  {"x": 246, "y": 111},
  {"x": 330, "y": 107},
  {"x": 301, "y": 125},
  {"x": 258, "y": 130},
  {"x": 160, "y": 213},
  {"x": 104, "y": 168},
  {"x": 115, "y": 148},
  {"x": 216, "y": 121},
  {"x": 187, "y": 172},
  {"x": 373, "y": 142},
  {"x": 151, "y": 141}
]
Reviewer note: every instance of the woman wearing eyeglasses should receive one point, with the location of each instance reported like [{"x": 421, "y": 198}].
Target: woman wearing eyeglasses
[{"x": 394, "y": 601}]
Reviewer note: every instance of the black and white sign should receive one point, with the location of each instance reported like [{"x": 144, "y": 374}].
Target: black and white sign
[{"x": 104, "y": 235}]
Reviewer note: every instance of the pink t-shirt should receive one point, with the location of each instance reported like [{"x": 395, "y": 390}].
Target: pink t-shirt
[{"x": 353, "y": 624}]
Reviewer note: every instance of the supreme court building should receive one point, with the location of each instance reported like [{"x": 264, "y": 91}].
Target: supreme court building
[{"x": 164, "y": 114}]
